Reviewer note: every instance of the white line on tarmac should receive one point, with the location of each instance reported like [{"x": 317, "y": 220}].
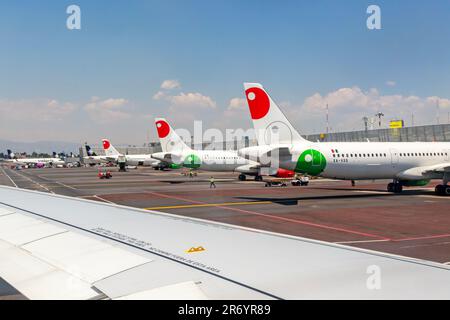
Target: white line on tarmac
[
  {"x": 60, "y": 183},
  {"x": 9, "y": 177},
  {"x": 361, "y": 241},
  {"x": 36, "y": 183},
  {"x": 370, "y": 191},
  {"x": 433, "y": 197},
  {"x": 100, "y": 198}
]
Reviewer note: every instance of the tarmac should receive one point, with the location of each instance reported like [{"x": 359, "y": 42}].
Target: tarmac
[{"x": 415, "y": 223}]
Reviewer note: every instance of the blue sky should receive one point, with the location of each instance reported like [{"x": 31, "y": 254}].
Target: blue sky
[{"x": 297, "y": 49}]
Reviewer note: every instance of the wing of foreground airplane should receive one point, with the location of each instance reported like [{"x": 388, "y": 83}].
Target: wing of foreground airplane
[{"x": 56, "y": 247}]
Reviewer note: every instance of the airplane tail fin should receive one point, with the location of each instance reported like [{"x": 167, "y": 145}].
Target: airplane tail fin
[
  {"x": 270, "y": 123},
  {"x": 110, "y": 151},
  {"x": 170, "y": 140},
  {"x": 89, "y": 151},
  {"x": 10, "y": 154}
]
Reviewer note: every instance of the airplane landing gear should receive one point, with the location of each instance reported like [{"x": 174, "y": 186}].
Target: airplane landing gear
[
  {"x": 242, "y": 177},
  {"x": 395, "y": 187},
  {"x": 442, "y": 190},
  {"x": 258, "y": 178}
]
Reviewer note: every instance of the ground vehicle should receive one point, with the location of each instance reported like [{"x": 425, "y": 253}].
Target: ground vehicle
[
  {"x": 302, "y": 181},
  {"x": 275, "y": 184},
  {"x": 104, "y": 174}
]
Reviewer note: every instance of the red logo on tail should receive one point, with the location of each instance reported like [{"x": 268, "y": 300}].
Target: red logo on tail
[
  {"x": 163, "y": 128},
  {"x": 106, "y": 144},
  {"x": 258, "y": 101}
]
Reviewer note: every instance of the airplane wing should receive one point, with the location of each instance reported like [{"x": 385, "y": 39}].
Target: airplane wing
[
  {"x": 249, "y": 168},
  {"x": 57, "y": 247},
  {"x": 439, "y": 168},
  {"x": 426, "y": 172}
]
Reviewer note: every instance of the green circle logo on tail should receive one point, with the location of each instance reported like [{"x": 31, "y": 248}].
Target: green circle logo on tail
[
  {"x": 311, "y": 162},
  {"x": 192, "y": 161}
]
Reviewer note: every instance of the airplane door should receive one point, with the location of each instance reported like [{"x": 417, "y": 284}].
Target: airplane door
[
  {"x": 394, "y": 157},
  {"x": 447, "y": 155}
]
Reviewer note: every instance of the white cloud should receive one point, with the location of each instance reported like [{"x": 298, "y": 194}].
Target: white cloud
[
  {"x": 348, "y": 105},
  {"x": 159, "y": 95},
  {"x": 170, "y": 84},
  {"x": 237, "y": 104},
  {"x": 192, "y": 100},
  {"x": 391, "y": 83},
  {"x": 107, "y": 111},
  {"x": 35, "y": 109}
]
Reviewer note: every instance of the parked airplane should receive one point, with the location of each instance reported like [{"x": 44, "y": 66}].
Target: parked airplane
[
  {"x": 111, "y": 154},
  {"x": 406, "y": 163},
  {"x": 92, "y": 157},
  {"x": 38, "y": 162},
  {"x": 174, "y": 150}
]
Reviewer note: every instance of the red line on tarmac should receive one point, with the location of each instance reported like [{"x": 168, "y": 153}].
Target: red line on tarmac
[
  {"x": 422, "y": 238},
  {"x": 279, "y": 218}
]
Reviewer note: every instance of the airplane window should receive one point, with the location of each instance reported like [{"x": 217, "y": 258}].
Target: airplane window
[{"x": 347, "y": 155}]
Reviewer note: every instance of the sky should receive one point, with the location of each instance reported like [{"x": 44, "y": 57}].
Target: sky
[{"x": 186, "y": 60}]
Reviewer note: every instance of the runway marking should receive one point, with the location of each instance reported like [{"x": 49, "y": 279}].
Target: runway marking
[
  {"x": 422, "y": 238},
  {"x": 36, "y": 183},
  {"x": 397, "y": 240},
  {"x": 202, "y": 205},
  {"x": 279, "y": 218},
  {"x": 433, "y": 197},
  {"x": 370, "y": 191},
  {"x": 361, "y": 241},
  {"x": 100, "y": 198},
  {"x": 9, "y": 177},
  {"x": 57, "y": 182}
]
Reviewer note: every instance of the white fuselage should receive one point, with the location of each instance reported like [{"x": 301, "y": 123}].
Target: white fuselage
[
  {"x": 363, "y": 160},
  {"x": 382, "y": 160},
  {"x": 133, "y": 159},
  {"x": 27, "y": 161},
  {"x": 210, "y": 160}
]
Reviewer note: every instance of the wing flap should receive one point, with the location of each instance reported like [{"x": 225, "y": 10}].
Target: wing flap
[
  {"x": 45, "y": 261},
  {"x": 181, "y": 291}
]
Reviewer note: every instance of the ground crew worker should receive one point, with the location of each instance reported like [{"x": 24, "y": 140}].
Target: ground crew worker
[{"x": 211, "y": 182}]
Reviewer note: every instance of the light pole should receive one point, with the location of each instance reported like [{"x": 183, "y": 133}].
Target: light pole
[
  {"x": 379, "y": 115},
  {"x": 366, "y": 123}
]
